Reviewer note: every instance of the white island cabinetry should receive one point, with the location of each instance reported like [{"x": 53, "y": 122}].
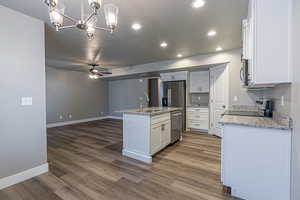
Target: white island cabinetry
[{"x": 145, "y": 135}]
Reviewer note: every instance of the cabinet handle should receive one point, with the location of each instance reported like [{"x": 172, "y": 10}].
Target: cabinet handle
[{"x": 163, "y": 127}]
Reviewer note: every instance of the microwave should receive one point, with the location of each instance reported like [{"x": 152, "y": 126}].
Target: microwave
[{"x": 244, "y": 72}]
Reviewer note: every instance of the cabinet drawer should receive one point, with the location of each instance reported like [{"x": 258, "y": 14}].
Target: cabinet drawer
[
  {"x": 160, "y": 118},
  {"x": 201, "y": 124},
  {"x": 202, "y": 110},
  {"x": 197, "y": 116}
]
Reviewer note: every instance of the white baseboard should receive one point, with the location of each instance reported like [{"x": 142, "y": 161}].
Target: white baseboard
[
  {"x": 51, "y": 125},
  {"x": 137, "y": 156},
  {"x": 22, "y": 176},
  {"x": 114, "y": 117}
]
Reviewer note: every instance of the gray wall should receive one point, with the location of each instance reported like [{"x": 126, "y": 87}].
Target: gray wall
[
  {"x": 232, "y": 57},
  {"x": 296, "y": 103},
  {"x": 22, "y": 70},
  {"x": 126, "y": 94},
  {"x": 74, "y": 93}
]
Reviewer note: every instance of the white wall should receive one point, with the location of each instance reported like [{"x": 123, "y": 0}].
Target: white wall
[
  {"x": 74, "y": 93},
  {"x": 22, "y": 74},
  {"x": 295, "y": 102}
]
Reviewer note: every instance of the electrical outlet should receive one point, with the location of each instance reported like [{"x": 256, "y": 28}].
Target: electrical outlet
[
  {"x": 199, "y": 98},
  {"x": 70, "y": 116},
  {"x": 61, "y": 117},
  {"x": 282, "y": 100}
]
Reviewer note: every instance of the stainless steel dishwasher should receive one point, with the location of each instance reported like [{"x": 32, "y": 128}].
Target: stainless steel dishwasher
[{"x": 176, "y": 125}]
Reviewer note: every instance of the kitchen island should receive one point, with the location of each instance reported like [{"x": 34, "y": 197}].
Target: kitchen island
[{"x": 146, "y": 131}]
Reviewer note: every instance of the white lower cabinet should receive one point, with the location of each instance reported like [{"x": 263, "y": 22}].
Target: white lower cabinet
[
  {"x": 256, "y": 162},
  {"x": 166, "y": 133},
  {"x": 156, "y": 138},
  {"x": 198, "y": 118},
  {"x": 160, "y": 135}
]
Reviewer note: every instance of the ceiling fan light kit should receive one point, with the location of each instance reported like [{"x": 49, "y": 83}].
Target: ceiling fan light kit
[
  {"x": 88, "y": 24},
  {"x": 97, "y": 73}
]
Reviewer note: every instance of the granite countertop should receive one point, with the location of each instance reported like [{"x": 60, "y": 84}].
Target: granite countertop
[
  {"x": 150, "y": 110},
  {"x": 198, "y": 106},
  {"x": 255, "y": 121}
]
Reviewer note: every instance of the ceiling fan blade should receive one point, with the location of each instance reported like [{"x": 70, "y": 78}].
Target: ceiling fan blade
[{"x": 102, "y": 72}]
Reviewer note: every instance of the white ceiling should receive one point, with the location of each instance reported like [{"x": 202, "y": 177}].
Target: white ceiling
[{"x": 175, "y": 21}]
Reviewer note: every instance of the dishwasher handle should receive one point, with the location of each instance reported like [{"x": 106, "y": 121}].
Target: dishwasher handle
[{"x": 176, "y": 114}]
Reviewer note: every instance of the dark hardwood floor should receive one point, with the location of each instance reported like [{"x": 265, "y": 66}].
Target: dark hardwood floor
[{"x": 86, "y": 164}]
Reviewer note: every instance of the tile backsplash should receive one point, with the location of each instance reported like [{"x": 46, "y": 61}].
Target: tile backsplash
[
  {"x": 199, "y": 98},
  {"x": 281, "y": 96}
]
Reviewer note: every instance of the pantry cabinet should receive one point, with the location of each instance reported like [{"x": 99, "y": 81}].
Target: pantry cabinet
[{"x": 266, "y": 42}]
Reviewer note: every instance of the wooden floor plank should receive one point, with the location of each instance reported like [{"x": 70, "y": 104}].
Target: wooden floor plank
[{"x": 86, "y": 164}]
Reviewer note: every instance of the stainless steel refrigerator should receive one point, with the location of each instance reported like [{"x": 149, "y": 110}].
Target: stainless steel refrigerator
[{"x": 174, "y": 92}]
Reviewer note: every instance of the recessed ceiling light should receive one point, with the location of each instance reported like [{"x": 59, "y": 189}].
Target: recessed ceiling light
[
  {"x": 198, "y": 3},
  {"x": 219, "y": 48},
  {"x": 179, "y": 55},
  {"x": 212, "y": 33},
  {"x": 136, "y": 26},
  {"x": 163, "y": 44}
]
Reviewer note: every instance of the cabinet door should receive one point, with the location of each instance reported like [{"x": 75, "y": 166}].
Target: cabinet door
[
  {"x": 270, "y": 41},
  {"x": 166, "y": 133},
  {"x": 156, "y": 138},
  {"x": 246, "y": 47},
  {"x": 199, "y": 82}
]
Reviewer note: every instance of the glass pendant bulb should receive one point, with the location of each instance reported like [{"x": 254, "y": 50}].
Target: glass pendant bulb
[
  {"x": 111, "y": 16},
  {"x": 56, "y": 17},
  {"x": 90, "y": 32},
  {"x": 95, "y": 3}
]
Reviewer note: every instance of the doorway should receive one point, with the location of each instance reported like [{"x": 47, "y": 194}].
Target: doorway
[{"x": 219, "y": 91}]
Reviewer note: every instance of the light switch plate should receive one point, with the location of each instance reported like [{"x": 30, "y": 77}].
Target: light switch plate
[
  {"x": 282, "y": 100},
  {"x": 26, "y": 101},
  {"x": 235, "y": 98}
]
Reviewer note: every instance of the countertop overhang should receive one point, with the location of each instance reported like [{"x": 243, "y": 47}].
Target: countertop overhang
[
  {"x": 150, "y": 110},
  {"x": 254, "y": 121}
]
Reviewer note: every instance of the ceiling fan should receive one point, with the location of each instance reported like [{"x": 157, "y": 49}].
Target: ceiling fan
[{"x": 96, "y": 73}]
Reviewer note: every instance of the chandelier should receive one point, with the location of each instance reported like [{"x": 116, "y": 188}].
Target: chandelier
[{"x": 88, "y": 24}]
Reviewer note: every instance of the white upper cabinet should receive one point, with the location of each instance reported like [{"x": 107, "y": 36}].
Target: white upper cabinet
[
  {"x": 174, "y": 76},
  {"x": 199, "y": 82},
  {"x": 266, "y": 40}
]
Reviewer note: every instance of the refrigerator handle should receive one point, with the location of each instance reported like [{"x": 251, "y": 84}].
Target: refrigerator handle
[{"x": 169, "y": 97}]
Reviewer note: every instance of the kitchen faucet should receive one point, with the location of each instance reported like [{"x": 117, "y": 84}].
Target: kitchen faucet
[{"x": 141, "y": 103}]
